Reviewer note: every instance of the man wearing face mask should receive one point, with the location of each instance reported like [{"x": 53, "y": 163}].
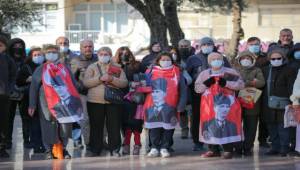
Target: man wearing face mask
[
  {"x": 185, "y": 51},
  {"x": 16, "y": 50},
  {"x": 195, "y": 65},
  {"x": 149, "y": 59},
  {"x": 254, "y": 46},
  {"x": 66, "y": 53},
  {"x": 280, "y": 79},
  {"x": 7, "y": 81},
  {"x": 78, "y": 66}
]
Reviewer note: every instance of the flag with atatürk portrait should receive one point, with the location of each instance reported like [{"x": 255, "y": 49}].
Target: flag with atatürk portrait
[{"x": 220, "y": 116}]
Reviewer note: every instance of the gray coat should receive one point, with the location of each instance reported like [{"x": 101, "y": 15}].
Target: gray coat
[{"x": 7, "y": 74}]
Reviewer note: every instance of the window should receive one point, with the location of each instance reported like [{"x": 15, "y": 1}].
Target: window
[
  {"x": 109, "y": 18},
  {"x": 278, "y": 16},
  {"x": 48, "y": 18}
]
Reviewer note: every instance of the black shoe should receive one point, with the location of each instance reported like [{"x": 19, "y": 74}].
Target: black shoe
[
  {"x": 283, "y": 154},
  {"x": 27, "y": 145},
  {"x": 264, "y": 145},
  {"x": 115, "y": 153},
  {"x": 197, "y": 147},
  {"x": 272, "y": 153},
  {"x": 248, "y": 153},
  {"x": 66, "y": 154},
  {"x": 3, "y": 154},
  {"x": 294, "y": 154},
  {"x": 171, "y": 149},
  {"x": 39, "y": 150},
  {"x": 49, "y": 155}
]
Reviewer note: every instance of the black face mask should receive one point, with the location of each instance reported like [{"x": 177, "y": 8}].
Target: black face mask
[
  {"x": 125, "y": 58},
  {"x": 184, "y": 53},
  {"x": 19, "y": 52}
]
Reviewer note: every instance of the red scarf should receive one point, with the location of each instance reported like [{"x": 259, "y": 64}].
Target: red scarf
[{"x": 62, "y": 98}]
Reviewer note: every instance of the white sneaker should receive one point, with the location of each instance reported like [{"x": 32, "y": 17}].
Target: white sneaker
[
  {"x": 153, "y": 153},
  {"x": 165, "y": 153}
]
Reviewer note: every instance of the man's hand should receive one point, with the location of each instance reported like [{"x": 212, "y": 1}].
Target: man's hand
[{"x": 210, "y": 81}]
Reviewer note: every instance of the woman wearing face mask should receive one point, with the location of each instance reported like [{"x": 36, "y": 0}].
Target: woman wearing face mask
[
  {"x": 253, "y": 77},
  {"x": 279, "y": 78},
  {"x": 99, "y": 109},
  {"x": 149, "y": 59},
  {"x": 194, "y": 66},
  {"x": 131, "y": 67},
  {"x": 230, "y": 79},
  {"x": 167, "y": 98},
  {"x": 31, "y": 126},
  {"x": 54, "y": 96}
]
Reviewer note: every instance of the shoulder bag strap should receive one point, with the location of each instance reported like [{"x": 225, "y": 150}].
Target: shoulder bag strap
[
  {"x": 99, "y": 69},
  {"x": 269, "y": 80}
]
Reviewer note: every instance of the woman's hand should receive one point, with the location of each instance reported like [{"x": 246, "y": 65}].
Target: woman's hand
[
  {"x": 106, "y": 78},
  {"x": 29, "y": 79},
  {"x": 31, "y": 111},
  {"x": 210, "y": 81}
]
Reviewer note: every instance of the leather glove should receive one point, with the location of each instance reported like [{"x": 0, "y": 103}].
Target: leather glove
[
  {"x": 222, "y": 82},
  {"x": 209, "y": 82}
]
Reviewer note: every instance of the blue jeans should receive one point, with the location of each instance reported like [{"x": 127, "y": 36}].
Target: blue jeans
[{"x": 279, "y": 136}]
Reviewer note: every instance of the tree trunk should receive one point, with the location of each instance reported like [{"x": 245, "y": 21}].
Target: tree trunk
[
  {"x": 175, "y": 32},
  {"x": 237, "y": 29},
  {"x": 151, "y": 11}
]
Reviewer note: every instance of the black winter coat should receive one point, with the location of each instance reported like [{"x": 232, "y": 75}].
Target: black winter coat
[{"x": 281, "y": 85}]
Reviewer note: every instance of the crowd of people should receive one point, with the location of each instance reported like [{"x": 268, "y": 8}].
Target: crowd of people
[{"x": 101, "y": 100}]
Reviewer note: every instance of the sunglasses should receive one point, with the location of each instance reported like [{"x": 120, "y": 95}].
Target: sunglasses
[{"x": 276, "y": 58}]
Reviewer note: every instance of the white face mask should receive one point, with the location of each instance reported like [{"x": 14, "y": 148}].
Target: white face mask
[
  {"x": 64, "y": 49},
  {"x": 276, "y": 63},
  {"x": 246, "y": 62},
  {"x": 51, "y": 56},
  {"x": 165, "y": 64},
  {"x": 104, "y": 59},
  {"x": 38, "y": 59},
  {"x": 174, "y": 57}
]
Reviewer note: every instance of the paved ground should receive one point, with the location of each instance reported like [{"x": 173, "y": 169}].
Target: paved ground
[{"x": 182, "y": 159}]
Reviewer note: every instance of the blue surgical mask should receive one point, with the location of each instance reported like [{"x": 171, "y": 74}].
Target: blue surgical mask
[
  {"x": 104, "y": 59},
  {"x": 51, "y": 56},
  {"x": 254, "y": 48},
  {"x": 207, "y": 50},
  {"x": 216, "y": 63},
  {"x": 64, "y": 49},
  {"x": 38, "y": 59},
  {"x": 297, "y": 55},
  {"x": 276, "y": 63}
]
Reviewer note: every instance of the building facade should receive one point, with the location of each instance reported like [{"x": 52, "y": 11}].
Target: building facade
[{"x": 115, "y": 23}]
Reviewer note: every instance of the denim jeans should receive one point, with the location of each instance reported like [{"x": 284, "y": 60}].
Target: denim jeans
[{"x": 279, "y": 136}]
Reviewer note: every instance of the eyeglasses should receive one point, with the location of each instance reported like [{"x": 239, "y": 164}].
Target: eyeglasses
[{"x": 276, "y": 59}]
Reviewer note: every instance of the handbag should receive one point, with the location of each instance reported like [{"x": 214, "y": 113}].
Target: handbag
[
  {"x": 112, "y": 95},
  {"x": 275, "y": 102}
]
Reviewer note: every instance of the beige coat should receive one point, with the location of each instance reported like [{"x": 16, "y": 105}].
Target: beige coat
[{"x": 95, "y": 87}]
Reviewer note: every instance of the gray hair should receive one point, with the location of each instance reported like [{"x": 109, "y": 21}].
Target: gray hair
[{"x": 106, "y": 49}]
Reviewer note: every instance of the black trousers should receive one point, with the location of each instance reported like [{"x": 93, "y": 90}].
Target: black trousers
[
  {"x": 196, "y": 118},
  {"x": 4, "y": 115},
  {"x": 161, "y": 138},
  {"x": 249, "y": 126},
  {"x": 226, "y": 147},
  {"x": 98, "y": 113},
  {"x": 35, "y": 131},
  {"x": 263, "y": 133},
  {"x": 23, "y": 108}
]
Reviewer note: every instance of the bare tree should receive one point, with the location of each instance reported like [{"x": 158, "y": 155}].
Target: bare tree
[{"x": 159, "y": 21}]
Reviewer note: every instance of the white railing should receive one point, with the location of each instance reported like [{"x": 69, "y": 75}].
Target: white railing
[{"x": 76, "y": 36}]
